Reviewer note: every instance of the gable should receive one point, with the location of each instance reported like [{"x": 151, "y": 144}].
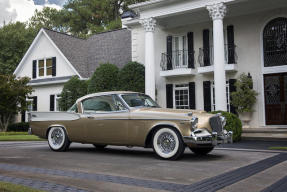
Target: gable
[{"x": 41, "y": 48}]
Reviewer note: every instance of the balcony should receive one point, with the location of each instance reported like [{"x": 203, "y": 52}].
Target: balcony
[
  {"x": 180, "y": 62},
  {"x": 205, "y": 59}
]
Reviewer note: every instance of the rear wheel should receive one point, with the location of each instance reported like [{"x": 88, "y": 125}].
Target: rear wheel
[
  {"x": 58, "y": 139},
  {"x": 201, "y": 151},
  {"x": 168, "y": 144},
  {"x": 99, "y": 146}
]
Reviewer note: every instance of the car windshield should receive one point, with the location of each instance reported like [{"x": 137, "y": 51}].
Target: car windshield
[{"x": 139, "y": 100}]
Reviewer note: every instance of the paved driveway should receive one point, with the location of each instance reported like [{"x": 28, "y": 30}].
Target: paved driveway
[{"x": 83, "y": 168}]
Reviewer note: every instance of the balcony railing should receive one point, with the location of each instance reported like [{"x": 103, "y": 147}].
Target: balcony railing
[
  {"x": 177, "y": 59},
  {"x": 205, "y": 55}
]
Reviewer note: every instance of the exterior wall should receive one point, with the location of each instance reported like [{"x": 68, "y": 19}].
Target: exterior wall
[
  {"x": 43, "y": 93},
  {"x": 247, "y": 34},
  {"x": 43, "y": 48}
]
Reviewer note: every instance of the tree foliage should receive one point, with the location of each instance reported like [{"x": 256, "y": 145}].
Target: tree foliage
[
  {"x": 15, "y": 39},
  {"x": 49, "y": 18},
  {"x": 105, "y": 78},
  {"x": 132, "y": 77},
  {"x": 73, "y": 89},
  {"x": 244, "y": 97},
  {"x": 13, "y": 93}
]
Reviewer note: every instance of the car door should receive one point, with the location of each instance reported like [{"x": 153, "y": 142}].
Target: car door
[{"x": 106, "y": 120}]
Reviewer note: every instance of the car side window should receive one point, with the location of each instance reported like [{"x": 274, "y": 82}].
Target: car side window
[
  {"x": 107, "y": 103},
  {"x": 74, "y": 108}
]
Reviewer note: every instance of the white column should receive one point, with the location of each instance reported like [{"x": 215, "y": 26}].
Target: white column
[
  {"x": 217, "y": 13},
  {"x": 149, "y": 25}
]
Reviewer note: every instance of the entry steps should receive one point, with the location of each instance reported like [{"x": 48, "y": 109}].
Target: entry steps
[{"x": 266, "y": 134}]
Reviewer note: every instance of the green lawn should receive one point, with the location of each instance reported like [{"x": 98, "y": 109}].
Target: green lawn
[
  {"x": 8, "y": 187},
  {"x": 18, "y": 136},
  {"x": 278, "y": 148}
]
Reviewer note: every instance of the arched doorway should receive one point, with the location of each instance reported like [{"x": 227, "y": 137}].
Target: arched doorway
[{"x": 275, "y": 85}]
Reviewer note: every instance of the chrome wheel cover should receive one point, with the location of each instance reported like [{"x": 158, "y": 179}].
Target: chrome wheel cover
[
  {"x": 56, "y": 137},
  {"x": 166, "y": 142}
]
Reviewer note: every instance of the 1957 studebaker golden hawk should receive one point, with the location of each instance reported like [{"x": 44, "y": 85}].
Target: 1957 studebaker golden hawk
[{"x": 130, "y": 119}]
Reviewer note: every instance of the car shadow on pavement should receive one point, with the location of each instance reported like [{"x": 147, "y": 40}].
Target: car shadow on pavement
[{"x": 143, "y": 153}]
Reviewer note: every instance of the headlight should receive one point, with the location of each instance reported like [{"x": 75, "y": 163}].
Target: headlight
[
  {"x": 194, "y": 121},
  {"x": 223, "y": 121}
]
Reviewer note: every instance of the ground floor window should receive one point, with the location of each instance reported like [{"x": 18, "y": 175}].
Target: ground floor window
[
  {"x": 181, "y": 95},
  {"x": 213, "y": 104},
  {"x": 57, "y": 100}
]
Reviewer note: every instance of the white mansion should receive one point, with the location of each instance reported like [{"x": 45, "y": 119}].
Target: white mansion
[{"x": 194, "y": 50}]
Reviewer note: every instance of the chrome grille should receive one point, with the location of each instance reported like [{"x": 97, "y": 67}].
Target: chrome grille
[{"x": 216, "y": 125}]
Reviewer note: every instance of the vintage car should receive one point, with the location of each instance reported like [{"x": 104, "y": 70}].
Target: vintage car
[{"x": 130, "y": 119}]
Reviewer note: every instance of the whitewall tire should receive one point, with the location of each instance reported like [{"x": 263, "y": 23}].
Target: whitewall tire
[
  {"x": 58, "y": 139},
  {"x": 168, "y": 144}
]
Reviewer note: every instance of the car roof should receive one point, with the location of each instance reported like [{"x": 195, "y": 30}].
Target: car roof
[{"x": 104, "y": 93}]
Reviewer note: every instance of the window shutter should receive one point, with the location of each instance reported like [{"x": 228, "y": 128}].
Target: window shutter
[
  {"x": 190, "y": 50},
  {"x": 169, "y": 52},
  {"x": 207, "y": 95},
  {"x": 23, "y": 116},
  {"x": 52, "y": 102},
  {"x": 232, "y": 89},
  {"x": 230, "y": 44},
  {"x": 35, "y": 103},
  {"x": 192, "y": 95},
  {"x": 34, "y": 69},
  {"x": 206, "y": 48},
  {"x": 169, "y": 96},
  {"x": 54, "y": 66}
]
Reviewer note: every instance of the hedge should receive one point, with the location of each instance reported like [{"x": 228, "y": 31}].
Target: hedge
[
  {"x": 233, "y": 123},
  {"x": 18, "y": 127}
]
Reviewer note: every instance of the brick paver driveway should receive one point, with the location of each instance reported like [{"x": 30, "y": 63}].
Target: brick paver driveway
[{"x": 83, "y": 168}]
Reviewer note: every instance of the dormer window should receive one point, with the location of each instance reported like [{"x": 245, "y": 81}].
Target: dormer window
[
  {"x": 44, "y": 67},
  {"x": 41, "y": 68}
]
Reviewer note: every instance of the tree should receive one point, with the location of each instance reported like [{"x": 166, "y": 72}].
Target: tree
[
  {"x": 49, "y": 18},
  {"x": 132, "y": 77},
  {"x": 86, "y": 17},
  {"x": 244, "y": 97},
  {"x": 105, "y": 78},
  {"x": 73, "y": 89},
  {"x": 13, "y": 94},
  {"x": 15, "y": 39}
]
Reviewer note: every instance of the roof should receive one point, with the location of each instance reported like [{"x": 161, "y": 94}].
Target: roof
[
  {"x": 104, "y": 93},
  {"x": 87, "y": 54}
]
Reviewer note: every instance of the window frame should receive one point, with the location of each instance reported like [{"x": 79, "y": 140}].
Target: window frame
[
  {"x": 45, "y": 68},
  {"x": 105, "y": 112},
  {"x": 185, "y": 87}
]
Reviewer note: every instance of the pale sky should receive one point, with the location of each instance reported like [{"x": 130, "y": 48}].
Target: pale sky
[{"x": 22, "y": 10}]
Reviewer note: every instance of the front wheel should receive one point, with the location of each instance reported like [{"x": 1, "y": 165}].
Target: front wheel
[
  {"x": 168, "y": 144},
  {"x": 201, "y": 151},
  {"x": 58, "y": 139}
]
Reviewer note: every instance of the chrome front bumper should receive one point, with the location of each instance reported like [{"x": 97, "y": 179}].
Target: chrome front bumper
[{"x": 212, "y": 139}]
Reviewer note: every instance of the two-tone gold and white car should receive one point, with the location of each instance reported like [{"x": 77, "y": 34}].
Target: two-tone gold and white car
[{"x": 130, "y": 119}]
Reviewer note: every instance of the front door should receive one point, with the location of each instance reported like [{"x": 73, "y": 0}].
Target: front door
[{"x": 275, "y": 91}]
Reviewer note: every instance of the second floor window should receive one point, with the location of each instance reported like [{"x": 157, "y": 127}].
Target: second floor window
[{"x": 45, "y": 67}]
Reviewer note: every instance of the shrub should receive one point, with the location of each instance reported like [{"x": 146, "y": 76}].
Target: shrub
[
  {"x": 105, "y": 78},
  {"x": 244, "y": 97},
  {"x": 73, "y": 89},
  {"x": 18, "y": 127},
  {"x": 233, "y": 123},
  {"x": 132, "y": 77}
]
